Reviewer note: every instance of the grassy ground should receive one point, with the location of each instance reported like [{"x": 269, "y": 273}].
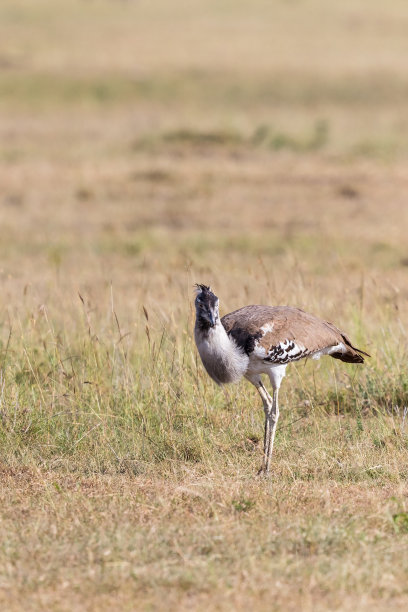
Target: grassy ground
[{"x": 260, "y": 147}]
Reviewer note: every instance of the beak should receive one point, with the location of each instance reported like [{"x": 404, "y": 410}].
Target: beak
[{"x": 211, "y": 319}]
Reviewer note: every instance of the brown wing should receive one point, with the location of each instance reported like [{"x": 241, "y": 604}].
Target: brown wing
[{"x": 287, "y": 333}]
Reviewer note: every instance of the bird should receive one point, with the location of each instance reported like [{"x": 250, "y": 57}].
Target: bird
[{"x": 256, "y": 340}]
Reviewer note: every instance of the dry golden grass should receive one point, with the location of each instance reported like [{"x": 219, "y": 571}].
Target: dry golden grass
[{"x": 260, "y": 147}]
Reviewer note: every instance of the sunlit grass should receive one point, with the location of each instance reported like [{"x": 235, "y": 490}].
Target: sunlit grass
[{"x": 268, "y": 161}]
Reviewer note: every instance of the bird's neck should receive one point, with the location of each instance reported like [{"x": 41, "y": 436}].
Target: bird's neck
[{"x": 224, "y": 361}]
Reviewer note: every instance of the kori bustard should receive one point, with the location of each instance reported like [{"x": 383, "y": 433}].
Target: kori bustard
[{"x": 256, "y": 340}]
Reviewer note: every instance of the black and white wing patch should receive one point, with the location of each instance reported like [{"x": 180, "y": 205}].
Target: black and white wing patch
[{"x": 285, "y": 352}]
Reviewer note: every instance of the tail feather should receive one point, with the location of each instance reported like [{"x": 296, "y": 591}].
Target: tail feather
[
  {"x": 353, "y": 354},
  {"x": 349, "y": 357}
]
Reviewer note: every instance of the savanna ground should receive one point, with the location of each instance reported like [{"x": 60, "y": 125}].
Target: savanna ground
[{"x": 258, "y": 146}]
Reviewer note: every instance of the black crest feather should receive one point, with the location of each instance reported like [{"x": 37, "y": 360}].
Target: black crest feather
[{"x": 200, "y": 287}]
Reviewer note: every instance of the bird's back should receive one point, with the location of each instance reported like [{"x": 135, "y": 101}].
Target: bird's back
[{"x": 281, "y": 334}]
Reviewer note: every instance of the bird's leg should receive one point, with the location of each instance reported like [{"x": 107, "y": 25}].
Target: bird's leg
[
  {"x": 266, "y": 432},
  {"x": 276, "y": 375},
  {"x": 268, "y": 410},
  {"x": 273, "y": 417}
]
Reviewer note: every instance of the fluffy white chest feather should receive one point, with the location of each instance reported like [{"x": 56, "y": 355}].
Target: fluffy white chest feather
[{"x": 224, "y": 361}]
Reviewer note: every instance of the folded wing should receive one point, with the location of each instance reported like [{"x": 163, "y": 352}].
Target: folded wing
[{"x": 281, "y": 334}]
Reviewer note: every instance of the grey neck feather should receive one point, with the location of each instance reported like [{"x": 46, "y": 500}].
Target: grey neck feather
[{"x": 224, "y": 361}]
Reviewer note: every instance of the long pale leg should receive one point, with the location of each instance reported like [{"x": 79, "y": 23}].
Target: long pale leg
[
  {"x": 268, "y": 407},
  {"x": 271, "y": 409},
  {"x": 269, "y": 427},
  {"x": 276, "y": 375},
  {"x": 273, "y": 417}
]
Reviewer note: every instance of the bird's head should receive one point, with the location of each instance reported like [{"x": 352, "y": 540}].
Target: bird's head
[{"x": 207, "y": 305}]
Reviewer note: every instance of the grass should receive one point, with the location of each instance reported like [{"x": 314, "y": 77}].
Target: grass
[{"x": 272, "y": 167}]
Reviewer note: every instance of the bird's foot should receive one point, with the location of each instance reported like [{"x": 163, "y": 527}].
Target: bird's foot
[{"x": 262, "y": 472}]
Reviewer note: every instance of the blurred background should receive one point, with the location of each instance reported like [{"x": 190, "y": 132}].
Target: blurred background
[
  {"x": 257, "y": 146},
  {"x": 260, "y": 147}
]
